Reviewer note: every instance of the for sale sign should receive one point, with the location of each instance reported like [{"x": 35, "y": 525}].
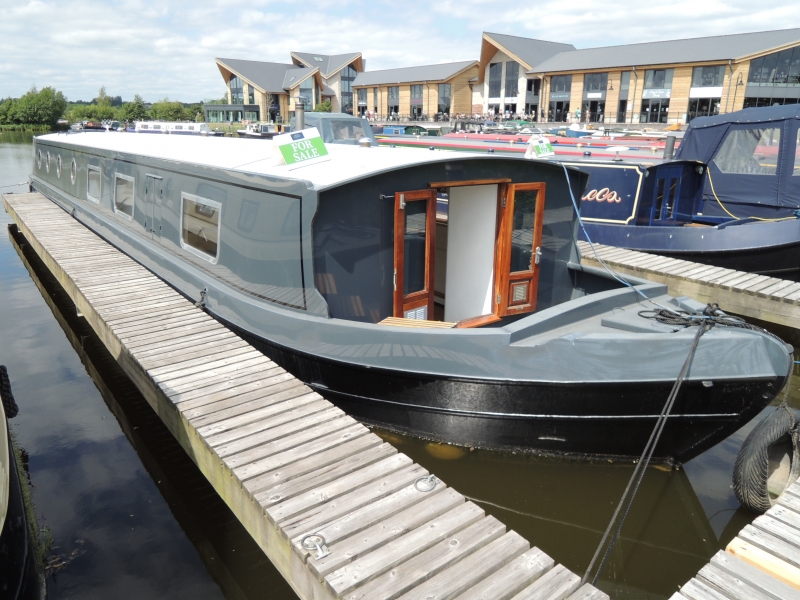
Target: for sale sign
[
  {"x": 539, "y": 147},
  {"x": 301, "y": 148}
]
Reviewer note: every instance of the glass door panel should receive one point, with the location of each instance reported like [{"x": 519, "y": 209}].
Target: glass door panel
[
  {"x": 519, "y": 247},
  {"x": 414, "y": 248}
]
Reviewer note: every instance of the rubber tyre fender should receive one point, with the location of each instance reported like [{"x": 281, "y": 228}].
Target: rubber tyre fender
[
  {"x": 9, "y": 406},
  {"x": 751, "y": 470}
]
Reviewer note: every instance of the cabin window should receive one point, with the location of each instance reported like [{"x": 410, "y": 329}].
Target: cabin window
[
  {"x": 93, "y": 183},
  {"x": 796, "y": 171},
  {"x": 191, "y": 128},
  {"x": 47, "y": 164},
  {"x": 123, "y": 195},
  {"x": 200, "y": 221},
  {"x": 752, "y": 151},
  {"x": 144, "y": 127},
  {"x": 73, "y": 172},
  {"x": 156, "y": 126},
  {"x": 58, "y": 166},
  {"x": 347, "y": 130},
  {"x": 39, "y": 159}
]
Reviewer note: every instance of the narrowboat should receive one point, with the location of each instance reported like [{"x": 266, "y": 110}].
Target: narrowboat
[
  {"x": 436, "y": 294},
  {"x": 168, "y": 127},
  {"x": 258, "y": 131},
  {"x": 729, "y": 198}
]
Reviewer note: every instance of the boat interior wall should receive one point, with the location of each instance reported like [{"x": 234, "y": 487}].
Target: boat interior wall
[
  {"x": 353, "y": 245},
  {"x": 246, "y": 236},
  {"x": 471, "y": 225}
]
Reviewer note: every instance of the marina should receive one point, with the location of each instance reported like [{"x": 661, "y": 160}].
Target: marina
[{"x": 290, "y": 466}]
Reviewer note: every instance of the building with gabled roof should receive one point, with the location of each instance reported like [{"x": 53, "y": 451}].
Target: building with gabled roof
[{"x": 259, "y": 90}]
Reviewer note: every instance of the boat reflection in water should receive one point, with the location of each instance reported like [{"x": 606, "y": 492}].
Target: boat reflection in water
[{"x": 483, "y": 330}]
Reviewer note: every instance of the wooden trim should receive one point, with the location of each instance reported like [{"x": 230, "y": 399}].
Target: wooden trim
[
  {"x": 477, "y": 321},
  {"x": 417, "y": 323},
  {"x": 466, "y": 182},
  {"x": 423, "y": 297},
  {"x": 503, "y": 276}
]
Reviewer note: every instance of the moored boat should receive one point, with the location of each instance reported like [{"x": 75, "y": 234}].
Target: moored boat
[
  {"x": 436, "y": 294},
  {"x": 262, "y": 131}
]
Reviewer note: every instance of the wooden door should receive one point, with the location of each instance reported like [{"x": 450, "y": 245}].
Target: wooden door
[
  {"x": 519, "y": 239},
  {"x": 414, "y": 251}
]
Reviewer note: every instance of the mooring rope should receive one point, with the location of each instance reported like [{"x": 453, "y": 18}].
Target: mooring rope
[
  {"x": 644, "y": 460},
  {"x": 2, "y": 187}
]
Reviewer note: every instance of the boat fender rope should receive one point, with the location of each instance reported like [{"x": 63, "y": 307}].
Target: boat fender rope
[
  {"x": 202, "y": 302},
  {"x": 644, "y": 460},
  {"x": 9, "y": 405},
  {"x": 426, "y": 484}
]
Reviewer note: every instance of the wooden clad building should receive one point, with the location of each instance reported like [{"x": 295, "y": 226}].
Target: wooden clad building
[{"x": 417, "y": 92}]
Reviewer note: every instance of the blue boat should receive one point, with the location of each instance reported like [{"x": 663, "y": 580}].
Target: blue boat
[{"x": 730, "y": 197}]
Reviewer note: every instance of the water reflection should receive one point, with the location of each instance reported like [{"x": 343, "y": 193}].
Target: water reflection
[{"x": 111, "y": 481}]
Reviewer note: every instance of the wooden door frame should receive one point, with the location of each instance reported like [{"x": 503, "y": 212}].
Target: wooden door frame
[
  {"x": 402, "y": 303},
  {"x": 502, "y": 270}
]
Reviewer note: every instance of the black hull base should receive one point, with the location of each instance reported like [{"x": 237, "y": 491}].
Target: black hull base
[{"x": 582, "y": 420}]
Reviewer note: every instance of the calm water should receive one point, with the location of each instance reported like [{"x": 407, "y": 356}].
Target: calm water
[{"x": 131, "y": 516}]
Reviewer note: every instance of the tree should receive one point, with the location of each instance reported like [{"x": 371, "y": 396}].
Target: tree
[
  {"x": 43, "y": 107},
  {"x": 165, "y": 110},
  {"x": 133, "y": 111},
  {"x": 324, "y": 106},
  {"x": 102, "y": 99}
]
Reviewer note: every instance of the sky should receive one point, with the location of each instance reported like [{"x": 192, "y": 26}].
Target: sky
[{"x": 166, "y": 48}]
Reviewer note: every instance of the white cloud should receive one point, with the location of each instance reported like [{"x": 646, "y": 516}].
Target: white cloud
[{"x": 167, "y": 48}]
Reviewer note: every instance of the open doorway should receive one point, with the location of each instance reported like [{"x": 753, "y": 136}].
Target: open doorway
[{"x": 467, "y": 253}]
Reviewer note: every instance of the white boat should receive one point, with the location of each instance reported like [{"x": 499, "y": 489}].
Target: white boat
[{"x": 173, "y": 128}]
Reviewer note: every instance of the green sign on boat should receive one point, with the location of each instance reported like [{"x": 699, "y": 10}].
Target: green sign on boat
[{"x": 301, "y": 147}]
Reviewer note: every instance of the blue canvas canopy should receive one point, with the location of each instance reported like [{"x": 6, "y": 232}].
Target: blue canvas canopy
[{"x": 752, "y": 158}]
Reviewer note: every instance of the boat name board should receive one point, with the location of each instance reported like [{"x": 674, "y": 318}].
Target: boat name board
[{"x": 301, "y": 147}]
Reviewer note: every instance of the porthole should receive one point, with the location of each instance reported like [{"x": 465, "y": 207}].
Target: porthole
[
  {"x": 73, "y": 171},
  {"x": 58, "y": 166},
  {"x": 39, "y": 159},
  {"x": 47, "y": 164}
]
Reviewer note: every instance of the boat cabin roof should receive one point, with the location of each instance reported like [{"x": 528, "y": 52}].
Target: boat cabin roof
[{"x": 347, "y": 163}]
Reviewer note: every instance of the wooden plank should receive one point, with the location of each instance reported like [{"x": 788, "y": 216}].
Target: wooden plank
[
  {"x": 271, "y": 377},
  {"x": 214, "y": 360},
  {"x": 269, "y": 394},
  {"x": 295, "y": 487},
  {"x": 457, "y": 578},
  {"x": 756, "y": 287},
  {"x": 374, "y": 564},
  {"x": 191, "y": 354},
  {"x": 729, "y": 584},
  {"x": 512, "y": 578},
  {"x": 401, "y": 322},
  {"x": 292, "y": 507},
  {"x": 197, "y": 380},
  {"x": 412, "y": 572},
  {"x": 556, "y": 584},
  {"x": 770, "y": 543},
  {"x": 707, "y": 274},
  {"x": 778, "y": 529},
  {"x": 420, "y": 509},
  {"x": 773, "y": 290},
  {"x": 303, "y": 465},
  {"x": 754, "y": 576},
  {"x": 313, "y": 519},
  {"x": 700, "y": 590},
  {"x": 765, "y": 561},
  {"x": 281, "y": 460},
  {"x": 588, "y": 592},
  {"x": 307, "y": 414},
  {"x": 785, "y": 515}
]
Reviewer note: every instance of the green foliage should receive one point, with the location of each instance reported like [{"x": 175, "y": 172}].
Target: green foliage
[
  {"x": 133, "y": 111},
  {"x": 43, "y": 107},
  {"x": 324, "y": 106},
  {"x": 92, "y": 112},
  {"x": 165, "y": 110}
]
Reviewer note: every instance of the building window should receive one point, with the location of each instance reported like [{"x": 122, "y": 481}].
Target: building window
[
  {"x": 200, "y": 219},
  {"x": 237, "y": 93},
  {"x": 375, "y": 99},
  {"x": 348, "y": 76},
  {"x": 702, "y": 107},
  {"x": 658, "y": 79},
  {"x": 773, "y": 79},
  {"x": 595, "y": 82},
  {"x": 708, "y": 76},
  {"x": 393, "y": 100},
  {"x": 444, "y": 98},
  {"x": 654, "y": 110},
  {"x": 752, "y": 151},
  {"x": 512, "y": 79},
  {"x": 251, "y": 95},
  {"x": 362, "y": 102},
  {"x": 94, "y": 184},
  {"x": 625, "y": 81},
  {"x": 416, "y": 94},
  {"x": 123, "y": 195},
  {"x": 534, "y": 85},
  {"x": 306, "y": 91},
  {"x": 495, "y": 79},
  {"x": 560, "y": 84}
]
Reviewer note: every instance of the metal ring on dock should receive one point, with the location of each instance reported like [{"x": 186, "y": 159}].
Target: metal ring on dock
[{"x": 428, "y": 483}]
